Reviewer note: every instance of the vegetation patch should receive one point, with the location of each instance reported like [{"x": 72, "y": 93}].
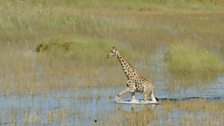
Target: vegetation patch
[
  {"x": 83, "y": 33},
  {"x": 83, "y": 59},
  {"x": 80, "y": 50},
  {"x": 192, "y": 58}
]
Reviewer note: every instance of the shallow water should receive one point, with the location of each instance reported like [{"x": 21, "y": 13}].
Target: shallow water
[{"x": 95, "y": 106}]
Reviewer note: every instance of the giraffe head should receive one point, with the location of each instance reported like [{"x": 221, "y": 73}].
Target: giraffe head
[{"x": 113, "y": 52}]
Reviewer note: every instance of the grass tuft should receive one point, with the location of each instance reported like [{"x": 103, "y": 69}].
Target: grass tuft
[
  {"x": 192, "y": 58},
  {"x": 137, "y": 28},
  {"x": 80, "y": 51}
]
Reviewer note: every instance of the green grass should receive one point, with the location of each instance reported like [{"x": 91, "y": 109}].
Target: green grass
[
  {"x": 139, "y": 5},
  {"x": 192, "y": 58},
  {"x": 84, "y": 51},
  {"x": 83, "y": 58},
  {"x": 57, "y": 45}
]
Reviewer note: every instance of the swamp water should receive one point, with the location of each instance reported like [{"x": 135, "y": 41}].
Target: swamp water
[
  {"x": 95, "y": 106},
  {"x": 183, "y": 101}
]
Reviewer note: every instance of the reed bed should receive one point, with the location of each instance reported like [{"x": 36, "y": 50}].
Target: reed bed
[{"x": 90, "y": 29}]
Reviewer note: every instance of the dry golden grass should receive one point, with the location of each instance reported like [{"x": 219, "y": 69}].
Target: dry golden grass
[
  {"x": 136, "y": 31},
  {"x": 137, "y": 28}
]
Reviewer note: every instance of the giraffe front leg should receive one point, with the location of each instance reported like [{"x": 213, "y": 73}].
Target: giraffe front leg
[
  {"x": 134, "y": 100},
  {"x": 132, "y": 88},
  {"x": 125, "y": 91}
]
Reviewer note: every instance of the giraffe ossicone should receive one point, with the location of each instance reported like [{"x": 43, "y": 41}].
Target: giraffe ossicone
[{"x": 136, "y": 83}]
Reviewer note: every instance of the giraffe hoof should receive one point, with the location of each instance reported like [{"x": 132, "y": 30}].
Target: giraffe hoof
[
  {"x": 147, "y": 102},
  {"x": 134, "y": 101},
  {"x": 144, "y": 101},
  {"x": 117, "y": 99}
]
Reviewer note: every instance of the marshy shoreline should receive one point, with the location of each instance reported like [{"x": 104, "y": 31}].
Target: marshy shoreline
[{"x": 54, "y": 69}]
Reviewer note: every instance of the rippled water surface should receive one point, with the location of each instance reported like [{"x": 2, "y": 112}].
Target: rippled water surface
[{"x": 95, "y": 106}]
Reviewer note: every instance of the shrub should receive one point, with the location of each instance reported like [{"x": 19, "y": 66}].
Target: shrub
[{"x": 192, "y": 58}]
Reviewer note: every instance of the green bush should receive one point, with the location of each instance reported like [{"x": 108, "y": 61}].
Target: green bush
[
  {"x": 192, "y": 58},
  {"x": 81, "y": 51}
]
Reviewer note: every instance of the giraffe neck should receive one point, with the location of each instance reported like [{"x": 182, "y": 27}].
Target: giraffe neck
[{"x": 127, "y": 68}]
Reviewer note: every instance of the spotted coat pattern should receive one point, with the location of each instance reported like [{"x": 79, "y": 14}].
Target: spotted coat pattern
[{"x": 135, "y": 83}]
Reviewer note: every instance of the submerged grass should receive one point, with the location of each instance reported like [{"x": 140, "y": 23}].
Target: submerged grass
[
  {"x": 199, "y": 112},
  {"x": 52, "y": 45},
  {"x": 199, "y": 105},
  {"x": 187, "y": 113}
]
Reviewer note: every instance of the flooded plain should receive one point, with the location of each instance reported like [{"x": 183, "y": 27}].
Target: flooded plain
[
  {"x": 53, "y": 67},
  {"x": 185, "y": 99},
  {"x": 181, "y": 105}
]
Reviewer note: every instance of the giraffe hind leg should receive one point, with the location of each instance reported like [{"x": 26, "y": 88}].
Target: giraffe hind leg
[
  {"x": 146, "y": 95},
  {"x": 154, "y": 99}
]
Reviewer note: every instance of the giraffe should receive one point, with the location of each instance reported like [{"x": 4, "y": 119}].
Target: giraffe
[{"x": 135, "y": 83}]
